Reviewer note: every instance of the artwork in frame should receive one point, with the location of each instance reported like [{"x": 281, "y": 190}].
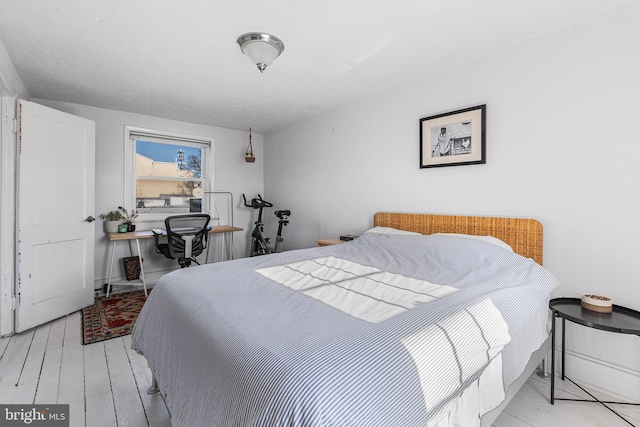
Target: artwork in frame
[{"x": 454, "y": 138}]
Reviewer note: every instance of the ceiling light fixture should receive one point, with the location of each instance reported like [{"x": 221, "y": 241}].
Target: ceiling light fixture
[{"x": 261, "y": 48}]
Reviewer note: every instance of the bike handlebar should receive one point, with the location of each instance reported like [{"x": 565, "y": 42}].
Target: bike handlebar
[{"x": 257, "y": 202}]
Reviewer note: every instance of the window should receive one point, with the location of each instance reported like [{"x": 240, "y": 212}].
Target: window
[{"x": 166, "y": 168}]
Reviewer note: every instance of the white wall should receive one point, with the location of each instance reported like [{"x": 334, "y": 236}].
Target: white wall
[
  {"x": 562, "y": 147},
  {"x": 10, "y": 83},
  {"x": 231, "y": 173}
]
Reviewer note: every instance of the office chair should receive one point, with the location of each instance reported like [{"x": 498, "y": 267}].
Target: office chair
[{"x": 186, "y": 237}]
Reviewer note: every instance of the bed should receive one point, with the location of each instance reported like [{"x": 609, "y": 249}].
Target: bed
[{"x": 414, "y": 323}]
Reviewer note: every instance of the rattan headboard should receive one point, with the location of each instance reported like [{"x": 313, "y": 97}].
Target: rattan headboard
[{"x": 524, "y": 235}]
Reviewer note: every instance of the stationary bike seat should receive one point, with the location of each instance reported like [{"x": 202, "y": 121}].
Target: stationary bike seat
[{"x": 280, "y": 214}]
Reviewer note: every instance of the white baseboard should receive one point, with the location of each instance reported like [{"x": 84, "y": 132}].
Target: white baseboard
[{"x": 617, "y": 381}]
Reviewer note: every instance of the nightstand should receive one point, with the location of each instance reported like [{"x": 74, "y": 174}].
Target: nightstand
[{"x": 329, "y": 242}]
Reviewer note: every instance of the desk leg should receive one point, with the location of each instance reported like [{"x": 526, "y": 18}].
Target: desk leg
[
  {"x": 144, "y": 283},
  {"x": 113, "y": 254},
  {"x": 553, "y": 355}
]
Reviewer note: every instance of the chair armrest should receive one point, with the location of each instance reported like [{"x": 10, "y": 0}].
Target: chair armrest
[
  {"x": 205, "y": 240},
  {"x": 156, "y": 238}
]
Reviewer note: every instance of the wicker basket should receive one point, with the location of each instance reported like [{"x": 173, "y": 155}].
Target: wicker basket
[{"x": 131, "y": 267}]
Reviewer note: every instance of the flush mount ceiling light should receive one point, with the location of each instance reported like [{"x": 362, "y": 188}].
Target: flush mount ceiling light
[{"x": 261, "y": 48}]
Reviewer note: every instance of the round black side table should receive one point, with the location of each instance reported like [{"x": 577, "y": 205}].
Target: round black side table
[{"x": 621, "y": 320}]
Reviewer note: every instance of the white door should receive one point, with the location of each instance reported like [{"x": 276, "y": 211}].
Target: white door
[{"x": 56, "y": 168}]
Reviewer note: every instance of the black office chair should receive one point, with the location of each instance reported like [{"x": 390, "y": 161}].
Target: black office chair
[{"x": 186, "y": 237}]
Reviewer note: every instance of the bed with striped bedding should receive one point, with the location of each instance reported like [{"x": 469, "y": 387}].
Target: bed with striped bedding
[{"x": 386, "y": 330}]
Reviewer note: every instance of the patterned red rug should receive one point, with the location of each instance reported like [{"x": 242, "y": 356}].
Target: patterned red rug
[{"x": 111, "y": 317}]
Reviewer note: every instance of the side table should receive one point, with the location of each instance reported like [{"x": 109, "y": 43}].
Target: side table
[
  {"x": 330, "y": 242},
  {"x": 621, "y": 320}
]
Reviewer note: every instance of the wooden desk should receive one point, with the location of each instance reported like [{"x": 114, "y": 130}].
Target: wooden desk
[{"x": 148, "y": 234}]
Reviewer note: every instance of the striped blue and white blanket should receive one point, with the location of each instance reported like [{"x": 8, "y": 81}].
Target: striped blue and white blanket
[{"x": 381, "y": 331}]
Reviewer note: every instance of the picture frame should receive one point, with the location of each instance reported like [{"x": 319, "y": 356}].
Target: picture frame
[{"x": 454, "y": 138}]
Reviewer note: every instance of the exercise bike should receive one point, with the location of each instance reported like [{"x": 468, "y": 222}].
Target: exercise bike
[{"x": 260, "y": 244}]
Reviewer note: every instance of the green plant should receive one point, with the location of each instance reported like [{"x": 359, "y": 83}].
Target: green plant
[
  {"x": 127, "y": 217},
  {"x": 112, "y": 216}
]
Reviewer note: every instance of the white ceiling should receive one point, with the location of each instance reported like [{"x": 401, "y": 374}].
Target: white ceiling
[{"x": 179, "y": 59}]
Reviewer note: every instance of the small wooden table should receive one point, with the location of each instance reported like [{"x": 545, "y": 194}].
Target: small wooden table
[
  {"x": 329, "y": 242},
  {"x": 148, "y": 234}
]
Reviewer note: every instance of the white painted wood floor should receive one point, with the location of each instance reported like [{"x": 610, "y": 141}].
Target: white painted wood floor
[{"x": 105, "y": 384}]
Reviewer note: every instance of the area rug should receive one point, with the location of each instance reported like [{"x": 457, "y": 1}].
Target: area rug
[{"x": 111, "y": 317}]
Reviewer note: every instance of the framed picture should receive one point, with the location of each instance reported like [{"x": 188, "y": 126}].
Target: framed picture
[{"x": 453, "y": 139}]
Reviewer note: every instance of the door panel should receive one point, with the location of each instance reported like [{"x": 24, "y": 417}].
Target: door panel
[
  {"x": 47, "y": 254},
  {"x": 56, "y": 169}
]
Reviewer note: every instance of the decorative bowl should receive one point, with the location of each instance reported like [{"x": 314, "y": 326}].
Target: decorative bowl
[{"x": 597, "y": 303}]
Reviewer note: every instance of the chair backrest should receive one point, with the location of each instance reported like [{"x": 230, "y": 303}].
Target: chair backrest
[{"x": 187, "y": 225}]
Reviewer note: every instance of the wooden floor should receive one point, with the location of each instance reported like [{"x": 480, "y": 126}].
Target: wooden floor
[{"x": 105, "y": 384}]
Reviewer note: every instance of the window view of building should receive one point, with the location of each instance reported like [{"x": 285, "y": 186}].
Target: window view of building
[{"x": 166, "y": 174}]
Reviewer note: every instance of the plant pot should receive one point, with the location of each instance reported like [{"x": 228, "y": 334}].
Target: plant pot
[
  {"x": 111, "y": 226},
  {"x": 249, "y": 159},
  {"x": 131, "y": 227}
]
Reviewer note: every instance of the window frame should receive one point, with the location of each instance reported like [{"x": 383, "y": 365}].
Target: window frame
[{"x": 131, "y": 133}]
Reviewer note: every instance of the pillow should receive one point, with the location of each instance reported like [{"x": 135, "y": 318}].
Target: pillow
[
  {"x": 489, "y": 239},
  {"x": 389, "y": 230}
]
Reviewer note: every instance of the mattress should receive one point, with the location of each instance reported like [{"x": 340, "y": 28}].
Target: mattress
[{"x": 383, "y": 330}]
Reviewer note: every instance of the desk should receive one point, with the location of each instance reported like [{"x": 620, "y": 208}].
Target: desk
[
  {"x": 148, "y": 234},
  {"x": 621, "y": 320}
]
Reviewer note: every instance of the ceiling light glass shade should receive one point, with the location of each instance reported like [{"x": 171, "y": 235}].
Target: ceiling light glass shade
[{"x": 261, "y": 48}]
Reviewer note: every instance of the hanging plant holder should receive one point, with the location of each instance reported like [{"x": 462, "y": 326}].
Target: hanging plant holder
[{"x": 248, "y": 155}]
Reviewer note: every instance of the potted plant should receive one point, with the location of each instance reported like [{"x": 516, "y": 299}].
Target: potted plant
[
  {"x": 112, "y": 220},
  {"x": 249, "y": 157},
  {"x": 128, "y": 218}
]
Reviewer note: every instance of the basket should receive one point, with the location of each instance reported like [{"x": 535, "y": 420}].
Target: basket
[{"x": 131, "y": 267}]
